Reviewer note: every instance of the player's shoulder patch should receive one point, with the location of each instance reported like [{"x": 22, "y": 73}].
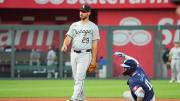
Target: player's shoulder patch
[{"x": 135, "y": 88}]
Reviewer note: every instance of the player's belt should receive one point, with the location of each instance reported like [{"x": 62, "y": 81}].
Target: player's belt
[{"x": 81, "y": 51}]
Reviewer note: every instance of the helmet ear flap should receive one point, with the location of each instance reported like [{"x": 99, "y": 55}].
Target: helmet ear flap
[{"x": 129, "y": 71}]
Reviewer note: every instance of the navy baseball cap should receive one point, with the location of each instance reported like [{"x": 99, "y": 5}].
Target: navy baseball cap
[{"x": 85, "y": 8}]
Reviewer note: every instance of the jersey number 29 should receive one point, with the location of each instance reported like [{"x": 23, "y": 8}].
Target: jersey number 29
[{"x": 85, "y": 40}]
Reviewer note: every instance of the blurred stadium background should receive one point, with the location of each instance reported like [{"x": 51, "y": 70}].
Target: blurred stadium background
[{"x": 139, "y": 28}]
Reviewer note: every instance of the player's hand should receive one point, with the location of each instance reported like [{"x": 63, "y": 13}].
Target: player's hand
[
  {"x": 120, "y": 54},
  {"x": 93, "y": 62},
  {"x": 64, "y": 48}
]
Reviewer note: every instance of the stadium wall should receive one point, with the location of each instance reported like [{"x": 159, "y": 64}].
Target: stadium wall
[{"x": 137, "y": 45}]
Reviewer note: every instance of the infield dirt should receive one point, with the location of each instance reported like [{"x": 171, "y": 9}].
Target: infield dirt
[{"x": 64, "y": 99}]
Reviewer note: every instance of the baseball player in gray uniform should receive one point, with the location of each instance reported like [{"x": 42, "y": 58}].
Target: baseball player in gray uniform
[
  {"x": 84, "y": 35},
  {"x": 174, "y": 57}
]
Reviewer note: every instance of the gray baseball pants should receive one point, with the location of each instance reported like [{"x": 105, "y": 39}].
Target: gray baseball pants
[
  {"x": 80, "y": 63},
  {"x": 175, "y": 68}
]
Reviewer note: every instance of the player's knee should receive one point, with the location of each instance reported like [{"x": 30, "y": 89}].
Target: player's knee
[{"x": 80, "y": 76}]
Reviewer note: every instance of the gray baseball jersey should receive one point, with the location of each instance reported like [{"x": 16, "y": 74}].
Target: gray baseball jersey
[
  {"x": 175, "y": 52},
  {"x": 83, "y": 34}
]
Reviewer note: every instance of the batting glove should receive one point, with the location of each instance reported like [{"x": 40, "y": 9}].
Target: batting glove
[{"x": 120, "y": 54}]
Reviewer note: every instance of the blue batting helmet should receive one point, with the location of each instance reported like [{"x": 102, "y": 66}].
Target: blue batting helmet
[{"x": 131, "y": 66}]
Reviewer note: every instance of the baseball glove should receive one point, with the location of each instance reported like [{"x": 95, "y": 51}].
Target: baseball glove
[
  {"x": 91, "y": 68},
  {"x": 168, "y": 64}
]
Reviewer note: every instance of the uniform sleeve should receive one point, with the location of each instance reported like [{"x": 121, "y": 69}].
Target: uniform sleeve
[
  {"x": 96, "y": 33},
  {"x": 133, "y": 85},
  {"x": 135, "y": 88},
  {"x": 171, "y": 52},
  {"x": 70, "y": 31}
]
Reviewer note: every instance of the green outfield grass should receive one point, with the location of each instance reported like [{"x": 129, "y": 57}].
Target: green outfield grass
[{"x": 93, "y": 88}]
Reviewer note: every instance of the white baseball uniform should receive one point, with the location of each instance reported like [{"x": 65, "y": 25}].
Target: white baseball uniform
[
  {"x": 51, "y": 57},
  {"x": 175, "y": 63},
  {"x": 82, "y": 36}
]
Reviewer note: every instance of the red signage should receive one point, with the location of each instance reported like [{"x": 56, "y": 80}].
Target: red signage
[
  {"x": 29, "y": 39},
  {"x": 97, "y": 4},
  {"x": 136, "y": 43}
]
